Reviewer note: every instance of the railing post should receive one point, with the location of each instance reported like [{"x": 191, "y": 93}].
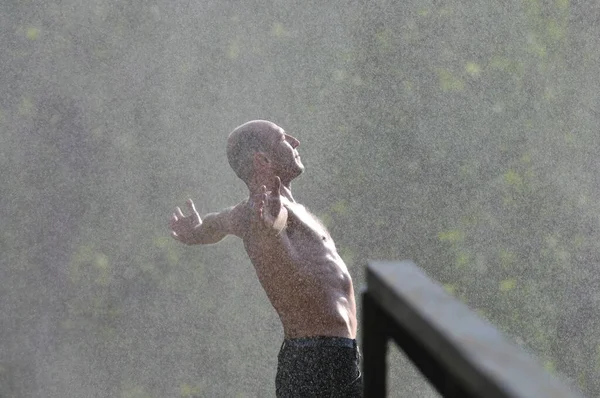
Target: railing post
[
  {"x": 460, "y": 354},
  {"x": 374, "y": 344}
]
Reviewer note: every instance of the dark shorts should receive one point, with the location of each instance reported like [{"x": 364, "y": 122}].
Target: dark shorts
[{"x": 319, "y": 367}]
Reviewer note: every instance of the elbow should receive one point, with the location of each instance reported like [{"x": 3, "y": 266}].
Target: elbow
[{"x": 210, "y": 240}]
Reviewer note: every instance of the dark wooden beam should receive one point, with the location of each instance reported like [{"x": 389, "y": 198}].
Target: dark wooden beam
[{"x": 460, "y": 354}]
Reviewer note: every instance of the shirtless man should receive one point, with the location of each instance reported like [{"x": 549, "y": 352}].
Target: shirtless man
[{"x": 295, "y": 260}]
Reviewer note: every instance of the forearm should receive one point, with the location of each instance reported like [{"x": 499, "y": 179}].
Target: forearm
[{"x": 210, "y": 231}]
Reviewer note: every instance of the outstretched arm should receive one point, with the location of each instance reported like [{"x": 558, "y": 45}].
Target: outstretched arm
[{"x": 192, "y": 230}]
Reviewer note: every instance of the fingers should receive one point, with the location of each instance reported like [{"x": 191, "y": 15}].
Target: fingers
[
  {"x": 178, "y": 215},
  {"x": 191, "y": 206},
  {"x": 262, "y": 200},
  {"x": 261, "y": 203},
  {"x": 176, "y": 236},
  {"x": 180, "y": 238},
  {"x": 277, "y": 186},
  {"x": 194, "y": 213},
  {"x": 260, "y": 209},
  {"x": 182, "y": 226}
]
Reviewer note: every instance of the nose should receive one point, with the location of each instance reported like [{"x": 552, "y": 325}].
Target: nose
[{"x": 293, "y": 141}]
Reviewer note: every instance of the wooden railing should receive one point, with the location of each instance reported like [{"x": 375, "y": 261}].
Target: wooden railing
[{"x": 460, "y": 354}]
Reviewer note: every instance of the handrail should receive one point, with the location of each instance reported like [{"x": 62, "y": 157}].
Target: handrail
[{"x": 459, "y": 353}]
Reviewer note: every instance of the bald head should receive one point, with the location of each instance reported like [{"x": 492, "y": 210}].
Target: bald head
[{"x": 244, "y": 141}]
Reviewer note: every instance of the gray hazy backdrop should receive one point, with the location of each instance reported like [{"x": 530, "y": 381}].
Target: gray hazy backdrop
[{"x": 461, "y": 135}]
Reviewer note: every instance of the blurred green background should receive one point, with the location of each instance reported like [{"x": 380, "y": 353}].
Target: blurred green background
[{"x": 461, "y": 135}]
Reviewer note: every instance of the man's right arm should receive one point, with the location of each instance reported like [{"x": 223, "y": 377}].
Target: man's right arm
[{"x": 192, "y": 230}]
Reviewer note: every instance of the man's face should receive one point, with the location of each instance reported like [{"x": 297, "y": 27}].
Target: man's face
[{"x": 284, "y": 154}]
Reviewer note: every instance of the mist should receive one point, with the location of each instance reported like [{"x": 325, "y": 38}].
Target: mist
[{"x": 463, "y": 137}]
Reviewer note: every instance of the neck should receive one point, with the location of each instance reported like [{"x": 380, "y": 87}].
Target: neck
[{"x": 256, "y": 184}]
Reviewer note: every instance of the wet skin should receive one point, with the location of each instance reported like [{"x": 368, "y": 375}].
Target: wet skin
[
  {"x": 304, "y": 277},
  {"x": 295, "y": 259}
]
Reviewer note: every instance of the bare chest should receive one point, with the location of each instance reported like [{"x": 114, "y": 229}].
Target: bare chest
[{"x": 304, "y": 225}]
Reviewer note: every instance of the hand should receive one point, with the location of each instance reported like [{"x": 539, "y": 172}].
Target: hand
[
  {"x": 183, "y": 227},
  {"x": 271, "y": 213}
]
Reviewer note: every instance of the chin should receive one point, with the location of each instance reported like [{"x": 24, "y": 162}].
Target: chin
[{"x": 295, "y": 172}]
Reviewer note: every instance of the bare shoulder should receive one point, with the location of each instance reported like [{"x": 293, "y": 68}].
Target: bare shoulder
[{"x": 237, "y": 217}]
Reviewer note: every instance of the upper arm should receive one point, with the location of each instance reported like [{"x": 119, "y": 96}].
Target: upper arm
[{"x": 216, "y": 226}]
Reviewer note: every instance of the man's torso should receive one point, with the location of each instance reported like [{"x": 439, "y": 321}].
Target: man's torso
[{"x": 301, "y": 272}]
